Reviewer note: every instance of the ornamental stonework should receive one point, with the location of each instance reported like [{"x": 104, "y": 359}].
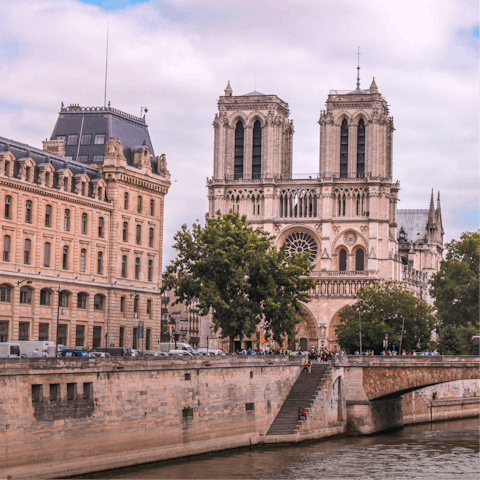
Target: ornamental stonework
[{"x": 350, "y": 238}]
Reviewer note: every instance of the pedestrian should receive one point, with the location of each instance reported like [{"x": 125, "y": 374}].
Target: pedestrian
[
  {"x": 302, "y": 414},
  {"x": 305, "y": 367},
  {"x": 35, "y": 353}
]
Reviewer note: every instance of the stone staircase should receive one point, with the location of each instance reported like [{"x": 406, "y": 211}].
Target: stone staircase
[{"x": 303, "y": 392}]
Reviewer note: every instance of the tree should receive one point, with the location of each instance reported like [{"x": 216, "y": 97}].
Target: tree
[
  {"x": 455, "y": 286},
  {"x": 457, "y": 340},
  {"x": 238, "y": 275},
  {"x": 383, "y": 308}
]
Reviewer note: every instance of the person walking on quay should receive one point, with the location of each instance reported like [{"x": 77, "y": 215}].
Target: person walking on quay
[{"x": 35, "y": 353}]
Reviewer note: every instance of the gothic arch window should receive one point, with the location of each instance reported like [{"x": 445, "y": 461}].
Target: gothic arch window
[
  {"x": 300, "y": 243},
  {"x": 344, "y": 149},
  {"x": 8, "y": 206},
  {"x": 344, "y": 204},
  {"x": 360, "y": 260},
  {"x": 342, "y": 260},
  {"x": 257, "y": 151},
  {"x": 361, "y": 149},
  {"x": 239, "y": 143}
]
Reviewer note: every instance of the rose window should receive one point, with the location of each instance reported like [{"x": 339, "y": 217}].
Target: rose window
[{"x": 300, "y": 242}]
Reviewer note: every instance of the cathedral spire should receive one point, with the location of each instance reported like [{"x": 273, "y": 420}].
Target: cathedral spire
[
  {"x": 431, "y": 212},
  {"x": 439, "y": 214},
  {"x": 358, "y": 69},
  {"x": 228, "y": 90},
  {"x": 373, "y": 86}
]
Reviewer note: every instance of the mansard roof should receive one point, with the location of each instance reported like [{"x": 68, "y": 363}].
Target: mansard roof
[
  {"x": 414, "y": 223},
  {"x": 43, "y": 158},
  {"x": 108, "y": 121}
]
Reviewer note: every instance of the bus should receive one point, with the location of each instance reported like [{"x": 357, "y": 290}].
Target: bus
[{"x": 475, "y": 342}]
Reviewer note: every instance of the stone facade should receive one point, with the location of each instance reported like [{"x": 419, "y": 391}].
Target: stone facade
[
  {"x": 346, "y": 217},
  {"x": 81, "y": 242}
]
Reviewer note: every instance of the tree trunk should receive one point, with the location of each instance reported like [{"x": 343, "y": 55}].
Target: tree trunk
[{"x": 232, "y": 345}]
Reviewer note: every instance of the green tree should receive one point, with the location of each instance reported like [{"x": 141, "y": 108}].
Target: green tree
[
  {"x": 239, "y": 276},
  {"x": 382, "y": 309},
  {"x": 457, "y": 340},
  {"x": 455, "y": 286}
]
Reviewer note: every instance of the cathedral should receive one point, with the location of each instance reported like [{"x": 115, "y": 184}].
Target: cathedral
[{"x": 346, "y": 217}]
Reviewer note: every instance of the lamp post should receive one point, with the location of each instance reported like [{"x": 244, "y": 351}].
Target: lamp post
[
  {"x": 401, "y": 336},
  {"x": 360, "y": 326}
]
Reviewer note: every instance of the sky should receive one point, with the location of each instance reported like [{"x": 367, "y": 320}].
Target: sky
[{"x": 175, "y": 58}]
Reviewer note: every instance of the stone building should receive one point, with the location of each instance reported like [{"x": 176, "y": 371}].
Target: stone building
[
  {"x": 82, "y": 231},
  {"x": 346, "y": 217}
]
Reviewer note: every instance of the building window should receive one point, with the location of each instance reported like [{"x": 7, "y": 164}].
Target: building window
[
  {"x": 65, "y": 258},
  {"x": 37, "y": 393},
  {"x": 152, "y": 207},
  {"x": 54, "y": 392},
  {"x": 138, "y": 237},
  {"x": 45, "y": 296},
  {"x": 83, "y": 158},
  {"x": 361, "y": 149},
  {"x": 99, "y": 139},
  {"x": 72, "y": 140},
  {"x": 122, "y": 304},
  {"x": 125, "y": 231},
  {"x": 135, "y": 306},
  {"x": 97, "y": 337},
  {"x": 88, "y": 390},
  {"x": 124, "y": 266},
  {"x": 25, "y": 295},
  {"x": 6, "y": 248},
  {"x": 100, "y": 263},
  {"x": 84, "y": 223},
  {"x": 66, "y": 220},
  {"x": 121, "y": 340},
  {"x": 68, "y": 157},
  {"x": 5, "y": 293},
  {"x": 139, "y": 204},
  {"x": 150, "y": 270},
  {"x": 148, "y": 338},
  {"x": 24, "y": 331},
  {"x": 125, "y": 200},
  {"x": 46, "y": 254},
  {"x": 3, "y": 331},
  {"x": 86, "y": 140},
  {"x": 43, "y": 332},
  {"x": 8, "y": 206},
  {"x": 137, "y": 268},
  {"x": 359, "y": 260},
  {"x": 257, "y": 151},
  {"x": 62, "y": 334},
  {"x": 80, "y": 335},
  {"x": 48, "y": 216},
  {"x": 98, "y": 158},
  {"x": 150, "y": 237},
  {"x": 28, "y": 211},
  {"x": 26, "y": 254},
  {"x": 149, "y": 308},
  {"x": 82, "y": 301},
  {"x": 135, "y": 339},
  {"x": 342, "y": 260},
  {"x": 71, "y": 391},
  {"x": 344, "y": 150},
  {"x": 83, "y": 255},
  {"x": 239, "y": 141},
  {"x": 64, "y": 297},
  {"x": 100, "y": 227},
  {"x": 98, "y": 302}
]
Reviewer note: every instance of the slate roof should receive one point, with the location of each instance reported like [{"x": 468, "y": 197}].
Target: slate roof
[
  {"x": 75, "y": 120},
  {"x": 42, "y": 157},
  {"x": 414, "y": 223}
]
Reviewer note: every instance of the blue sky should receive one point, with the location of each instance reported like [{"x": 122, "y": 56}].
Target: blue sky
[{"x": 113, "y": 4}]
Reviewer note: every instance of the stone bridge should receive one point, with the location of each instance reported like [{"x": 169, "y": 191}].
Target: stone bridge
[{"x": 373, "y": 385}]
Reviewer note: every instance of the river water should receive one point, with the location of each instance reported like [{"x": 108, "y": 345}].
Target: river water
[{"x": 444, "y": 450}]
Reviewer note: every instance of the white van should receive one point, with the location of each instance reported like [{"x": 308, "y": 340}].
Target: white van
[
  {"x": 180, "y": 353},
  {"x": 167, "y": 347},
  {"x": 10, "y": 350},
  {"x": 44, "y": 347}
]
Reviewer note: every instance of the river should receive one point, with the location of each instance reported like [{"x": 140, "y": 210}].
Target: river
[{"x": 443, "y": 450}]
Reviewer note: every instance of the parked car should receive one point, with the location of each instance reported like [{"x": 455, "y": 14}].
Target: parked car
[
  {"x": 99, "y": 354},
  {"x": 74, "y": 352},
  {"x": 180, "y": 353}
]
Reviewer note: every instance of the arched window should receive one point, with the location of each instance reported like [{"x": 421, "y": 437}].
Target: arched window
[
  {"x": 149, "y": 307},
  {"x": 65, "y": 258},
  {"x": 100, "y": 263},
  {"x": 125, "y": 201},
  {"x": 26, "y": 255},
  {"x": 28, "y": 212},
  {"x": 342, "y": 260},
  {"x": 257, "y": 151},
  {"x": 137, "y": 268},
  {"x": 125, "y": 231},
  {"x": 98, "y": 302},
  {"x": 139, "y": 204},
  {"x": 361, "y": 149},
  {"x": 45, "y": 296},
  {"x": 122, "y": 304},
  {"x": 25, "y": 295},
  {"x": 82, "y": 300},
  {"x": 84, "y": 223},
  {"x": 124, "y": 266},
  {"x": 150, "y": 237},
  {"x": 8, "y": 206},
  {"x": 6, "y": 248},
  {"x": 359, "y": 260},
  {"x": 83, "y": 256},
  {"x": 48, "y": 216},
  {"x": 150, "y": 270},
  {"x": 66, "y": 220},
  {"x": 239, "y": 142},
  {"x": 46, "y": 254},
  {"x": 344, "y": 149},
  {"x": 100, "y": 227},
  {"x": 64, "y": 297},
  {"x": 138, "y": 237},
  {"x": 152, "y": 207},
  {"x": 5, "y": 293}
]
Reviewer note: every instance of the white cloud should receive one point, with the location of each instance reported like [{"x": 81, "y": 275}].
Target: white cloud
[{"x": 176, "y": 57}]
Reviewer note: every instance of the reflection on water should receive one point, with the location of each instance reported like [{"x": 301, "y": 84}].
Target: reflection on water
[{"x": 446, "y": 450}]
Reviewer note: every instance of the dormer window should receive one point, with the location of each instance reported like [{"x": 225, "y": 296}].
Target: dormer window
[
  {"x": 99, "y": 140},
  {"x": 86, "y": 140},
  {"x": 72, "y": 140}
]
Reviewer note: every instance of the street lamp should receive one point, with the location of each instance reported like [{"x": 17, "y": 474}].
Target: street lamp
[
  {"x": 19, "y": 282},
  {"x": 58, "y": 317}
]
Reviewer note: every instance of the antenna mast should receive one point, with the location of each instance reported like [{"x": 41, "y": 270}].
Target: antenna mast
[
  {"x": 106, "y": 71},
  {"x": 358, "y": 69}
]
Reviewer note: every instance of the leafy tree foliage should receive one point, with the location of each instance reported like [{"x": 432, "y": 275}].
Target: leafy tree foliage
[
  {"x": 238, "y": 275},
  {"x": 455, "y": 286},
  {"x": 457, "y": 340},
  {"x": 382, "y": 309}
]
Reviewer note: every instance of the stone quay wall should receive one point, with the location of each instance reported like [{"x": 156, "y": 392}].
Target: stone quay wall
[{"x": 68, "y": 416}]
